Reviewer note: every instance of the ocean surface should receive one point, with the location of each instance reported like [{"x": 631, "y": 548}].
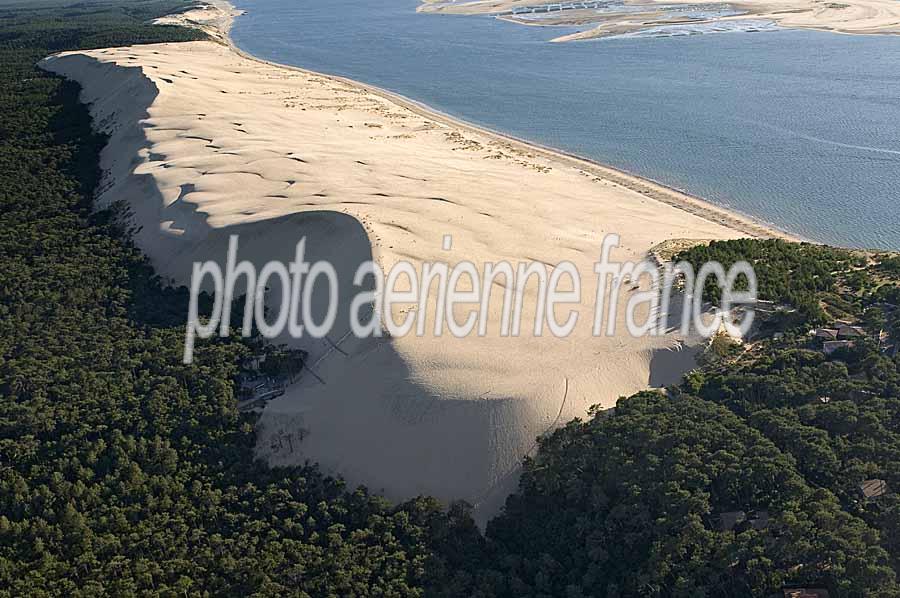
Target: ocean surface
[{"x": 800, "y": 129}]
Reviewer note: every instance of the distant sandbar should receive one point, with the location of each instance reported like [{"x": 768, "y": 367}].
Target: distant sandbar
[{"x": 604, "y": 18}]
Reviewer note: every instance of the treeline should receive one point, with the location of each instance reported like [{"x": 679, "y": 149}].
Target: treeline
[
  {"x": 822, "y": 283},
  {"x": 837, "y": 415},
  {"x": 122, "y": 471},
  {"x": 631, "y": 502},
  {"x": 628, "y": 504}
]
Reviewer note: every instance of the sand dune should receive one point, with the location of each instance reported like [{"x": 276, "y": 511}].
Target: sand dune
[
  {"x": 843, "y": 16},
  {"x": 205, "y": 143}
]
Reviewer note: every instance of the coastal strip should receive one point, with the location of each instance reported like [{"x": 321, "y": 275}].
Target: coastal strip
[
  {"x": 206, "y": 143},
  {"x": 219, "y": 25}
]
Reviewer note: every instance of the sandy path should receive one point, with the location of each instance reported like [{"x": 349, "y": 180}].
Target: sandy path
[{"x": 205, "y": 143}]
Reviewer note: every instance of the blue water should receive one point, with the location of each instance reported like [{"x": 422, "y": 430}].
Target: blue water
[{"x": 797, "y": 128}]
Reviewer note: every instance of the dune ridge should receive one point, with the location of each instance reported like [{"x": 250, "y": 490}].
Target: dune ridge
[{"x": 205, "y": 143}]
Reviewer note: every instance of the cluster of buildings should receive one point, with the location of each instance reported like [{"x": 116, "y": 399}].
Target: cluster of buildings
[
  {"x": 256, "y": 388},
  {"x": 845, "y": 335},
  {"x": 545, "y": 8},
  {"x": 841, "y": 337}
]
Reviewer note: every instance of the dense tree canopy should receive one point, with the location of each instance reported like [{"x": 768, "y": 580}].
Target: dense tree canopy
[
  {"x": 629, "y": 503},
  {"x": 124, "y": 472}
]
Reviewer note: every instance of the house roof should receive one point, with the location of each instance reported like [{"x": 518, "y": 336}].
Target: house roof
[
  {"x": 827, "y": 333},
  {"x": 805, "y": 593},
  {"x": 873, "y": 488},
  {"x": 851, "y": 331}
]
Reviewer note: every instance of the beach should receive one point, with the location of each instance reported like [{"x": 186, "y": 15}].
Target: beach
[{"x": 206, "y": 142}]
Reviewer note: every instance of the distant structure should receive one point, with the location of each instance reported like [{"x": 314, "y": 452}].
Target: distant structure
[
  {"x": 256, "y": 390},
  {"x": 841, "y": 337},
  {"x": 872, "y": 489},
  {"x": 826, "y": 334},
  {"x": 739, "y": 521},
  {"x": 851, "y": 332},
  {"x": 252, "y": 362},
  {"x": 805, "y": 592},
  {"x": 546, "y": 8},
  {"x": 264, "y": 376}
]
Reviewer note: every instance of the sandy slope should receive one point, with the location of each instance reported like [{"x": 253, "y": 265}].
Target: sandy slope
[
  {"x": 205, "y": 143},
  {"x": 842, "y": 16}
]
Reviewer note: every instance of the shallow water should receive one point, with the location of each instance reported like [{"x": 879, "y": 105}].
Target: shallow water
[{"x": 797, "y": 128}]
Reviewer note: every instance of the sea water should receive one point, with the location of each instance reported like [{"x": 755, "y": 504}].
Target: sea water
[{"x": 800, "y": 129}]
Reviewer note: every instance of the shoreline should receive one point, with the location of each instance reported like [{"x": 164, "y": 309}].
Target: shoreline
[
  {"x": 646, "y": 186},
  {"x": 205, "y": 142}
]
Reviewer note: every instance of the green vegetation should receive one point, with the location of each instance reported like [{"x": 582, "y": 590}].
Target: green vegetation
[
  {"x": 822, "y": 283},
  {"x": 626, "y": 505},
  {"x": 124, "y": 472},
  {"x": 629, "y": 502}
]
